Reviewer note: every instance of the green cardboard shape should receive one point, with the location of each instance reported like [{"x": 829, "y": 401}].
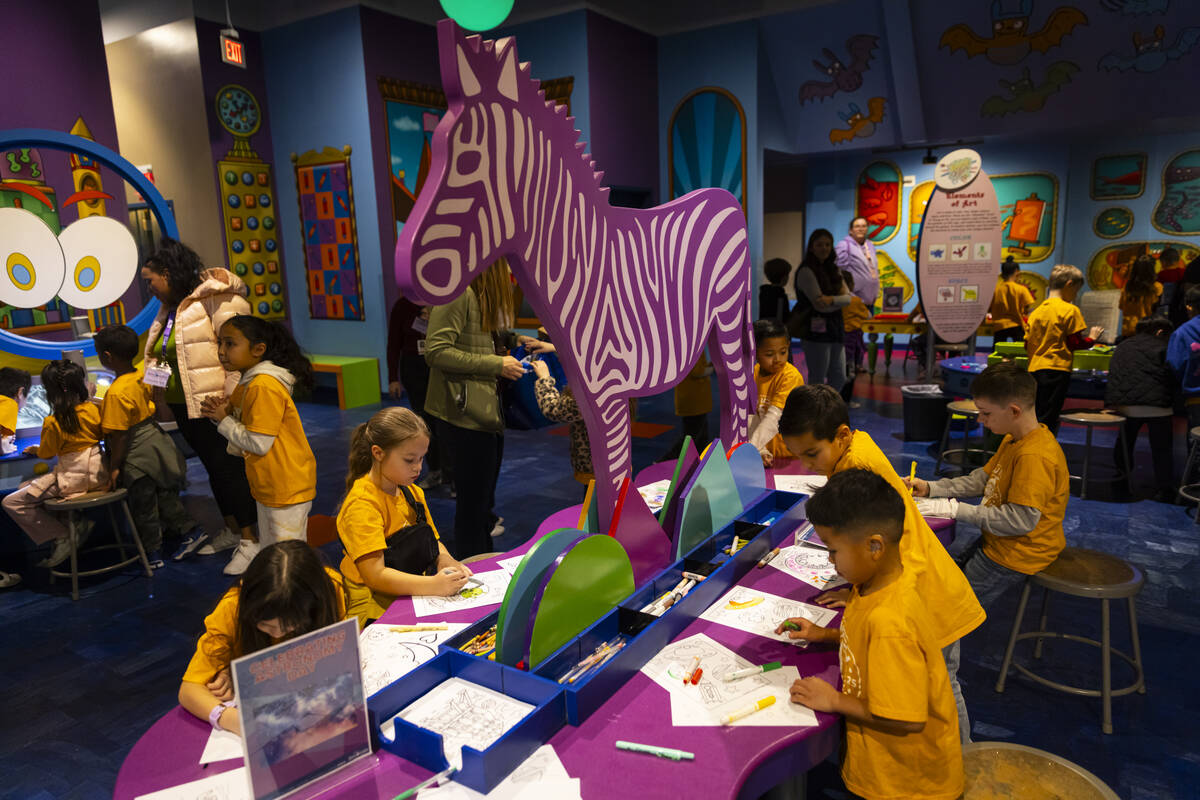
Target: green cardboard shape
[
  {"x": 710, "y": 503},
  {"x": 528, "y": 579},
  {"x": 592, "y": 578}
]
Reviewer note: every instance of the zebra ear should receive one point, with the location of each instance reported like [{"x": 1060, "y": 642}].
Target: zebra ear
[
  {"x": 466, "y": 76},
  {"x": 507, "y": 85}
]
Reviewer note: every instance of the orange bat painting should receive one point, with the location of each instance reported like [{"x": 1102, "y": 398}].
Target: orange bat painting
[
  {"x": 1011, "y": 38},
  {"x": 859, "y": 125}
]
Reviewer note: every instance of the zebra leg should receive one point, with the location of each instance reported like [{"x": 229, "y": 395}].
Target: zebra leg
[
  {"x": 731, "y": 348},
  {"x": 611, "y": 454}
]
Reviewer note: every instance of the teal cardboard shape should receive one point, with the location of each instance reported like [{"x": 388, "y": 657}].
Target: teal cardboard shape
[
  {"x": 710, "y": 503},
  {"x": 512, "y": 624},
  {"x": 748, "y": 473}
]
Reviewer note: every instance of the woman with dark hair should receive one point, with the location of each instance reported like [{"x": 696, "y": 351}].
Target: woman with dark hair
[
  {"x": 1140, "y": 295},
  {"x": 195, "y": 303},
  {"x": 820, "y": 296}
]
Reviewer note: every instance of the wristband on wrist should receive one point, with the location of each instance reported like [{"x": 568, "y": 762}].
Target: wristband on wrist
[{"x": 214, "y": 716}]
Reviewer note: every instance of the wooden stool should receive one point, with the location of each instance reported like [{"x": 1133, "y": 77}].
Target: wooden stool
[
  {"x": 87, "y": 501},
  {"x": 1083, "y": 573},
  {"x": 968, "y": 412},
  {"x": 1092, "y": 420},
  {"x": 1191, "y": 491},
  {"x": 995, "y": 770},
  {"x": 479, "y": 557}
]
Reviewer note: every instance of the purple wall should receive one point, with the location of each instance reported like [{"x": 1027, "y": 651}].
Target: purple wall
[
  {"x": 403, "y": 50},
  {"x": 55, "y": 71},
  {"x": 623, "y": 103}
]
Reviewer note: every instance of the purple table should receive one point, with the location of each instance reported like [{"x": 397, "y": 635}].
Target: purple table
[{"x": 730, "y": 762}]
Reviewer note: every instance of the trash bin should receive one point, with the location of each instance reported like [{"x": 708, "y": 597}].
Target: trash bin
[{"x": 924, "y": 412}]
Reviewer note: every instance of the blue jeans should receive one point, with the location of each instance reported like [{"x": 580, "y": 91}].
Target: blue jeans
[
  {"x": 951, "y": 654},
  {"x": 988, "y": 579}
]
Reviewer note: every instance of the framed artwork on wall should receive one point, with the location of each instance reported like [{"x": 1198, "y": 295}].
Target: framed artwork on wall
[
  {"x": 1109, "y": 267},
  {"x": 877, "y": 198},
  {"x": 706, "y": 144},
  {"x": 1118, "y": 177},
  {"x": 1178, "y": 210},
  {"x": 325, "y": 194},
  {"x": 1113, "y": 222},
  {"x": 1028, "y": 214}
]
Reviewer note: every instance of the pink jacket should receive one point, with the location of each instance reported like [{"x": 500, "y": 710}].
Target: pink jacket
[{"x": 198, "y": 319}]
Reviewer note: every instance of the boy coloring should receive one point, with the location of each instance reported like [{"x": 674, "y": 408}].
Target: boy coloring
[
  {"x": 816, "y": 427},
  {"x": 1025, "y": 486},
  {"x": 776, "y": 376},
  {"x": 902, "y": 736},
  {"x": 1183, "y": 354}
]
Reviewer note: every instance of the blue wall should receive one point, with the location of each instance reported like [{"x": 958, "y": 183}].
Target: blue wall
[
  {"x": 317, "y": 91},
  {"x": 557, "y": 47}
]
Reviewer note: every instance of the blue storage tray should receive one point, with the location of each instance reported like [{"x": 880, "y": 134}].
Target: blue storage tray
[{"x": 481, "y": 770}]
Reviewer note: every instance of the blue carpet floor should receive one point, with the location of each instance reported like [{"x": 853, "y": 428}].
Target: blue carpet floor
[{"x": 87, "y": 679}]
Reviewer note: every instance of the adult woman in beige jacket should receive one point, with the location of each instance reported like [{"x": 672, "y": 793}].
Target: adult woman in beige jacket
[{"x": 195, "y": 303}]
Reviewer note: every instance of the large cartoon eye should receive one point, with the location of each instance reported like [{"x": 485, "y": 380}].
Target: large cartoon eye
[
  {"x": 31, "y": 260},
  {"x": 101, "y": 259}
]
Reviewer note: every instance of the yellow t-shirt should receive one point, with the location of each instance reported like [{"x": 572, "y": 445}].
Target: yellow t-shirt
[
  {"x": 369, "y": 516},
  {"x": 773, "y": 390},
  {"x": 126, "y": 403},
  {"x": 953, "y": 609},
  {"x": 1135, "y": 308},
  {"x": 1046, "y": 337},
  {"x": 1030, "y": 472},
  {"x": 855, "y": 314},
  {"x": 1008, "y": 303},
  {"x": 287, "y": 474},
  {"x": 221, "y": 625},
  {"x": 55, "y": 440},
  {"x": 889, "y": 659},
  {"x": 8, "y": 415}
]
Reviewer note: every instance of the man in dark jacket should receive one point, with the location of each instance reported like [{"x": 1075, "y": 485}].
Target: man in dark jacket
[{"x": 1140, "y": 384}]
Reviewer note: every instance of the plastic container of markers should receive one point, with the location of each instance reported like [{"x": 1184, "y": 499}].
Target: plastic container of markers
[
  {"x": 483, "y": 769},
  {"x": 480, "y": 626}
]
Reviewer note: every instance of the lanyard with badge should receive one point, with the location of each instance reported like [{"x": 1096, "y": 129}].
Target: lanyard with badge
[
  {"x": 159, "y": 373},
  {"x": 420, "y": 324}
]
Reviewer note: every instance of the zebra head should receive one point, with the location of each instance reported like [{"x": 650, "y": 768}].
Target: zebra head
[{"x": 464, "y": 217}]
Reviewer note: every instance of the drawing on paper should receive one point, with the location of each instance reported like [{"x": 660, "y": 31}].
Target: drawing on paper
[
  {"x": 466, "y": 715},
  {"x": 489, "y": 592},
  {"x": 387, "y": 655},
  {"x": 672, "y": 663},
  {"x": 808, "y": 564},
  {"x": 759, "y": 613}
]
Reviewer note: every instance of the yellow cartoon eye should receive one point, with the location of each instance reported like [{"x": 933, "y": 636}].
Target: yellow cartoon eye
[
  {"x": 101, "y": 258},
  {"x": 31, "y": 257}
]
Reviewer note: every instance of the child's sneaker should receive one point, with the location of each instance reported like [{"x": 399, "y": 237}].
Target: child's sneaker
[
  {"x": 225, "y": 540},
  {"x": 498, "y": 528},
  {"x": 155, "y": 559},
  {"x": 192, "y": 541},
  {"x": 246, "y": 550},
  {"x": 9, "y": 579},
  {"x": 62, "y": 547}
]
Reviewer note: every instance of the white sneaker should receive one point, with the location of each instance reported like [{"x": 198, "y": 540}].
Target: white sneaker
[
  {"x": 246, "y": 550},
  {"x": 225, "y": 540},
  {"x": 62, "y": 547},
  {"x": 498, "y": 528}
]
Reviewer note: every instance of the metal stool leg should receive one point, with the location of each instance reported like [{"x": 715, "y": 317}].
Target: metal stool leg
[
  {"x": 112, "y": 520},
  {"x": 1106, "y": 666},
  {"x": 1037, "y": 647},
  {"x": 1012, "y": 637},
  {"x": 1137, "y": 644},
  {"x": 937, "y": 468},
  {"x": 74, "y": 555},
  {"x": 1127, "y": 468},
  {"x": 137, "y": 540},
  {"x": 1087, "y": 462}
]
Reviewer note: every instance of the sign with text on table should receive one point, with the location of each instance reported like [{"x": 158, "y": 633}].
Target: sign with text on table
[{"x": 958, "y": 253}]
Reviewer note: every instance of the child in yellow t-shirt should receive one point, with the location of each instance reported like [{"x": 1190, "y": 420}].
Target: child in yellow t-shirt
[
  {"x": 383, "y": 500},
  {"x": 14, "y": 388},
  {"x": 1010, "y": 304},
  {"x": 285, "y": 592},
  {"x": 262, "y": 424},
  {"x": 1056, "y": 329},
  {"x": 816, "y": 426},
  {"x": 776, "y": 376},
  {"x": 902, "y": 736},
  {"x": 142, "y": 459},
  {"x": 72, "y": 434},
  {"x": 1140, "y": 295},
  {"x": 1025, "y": 487}
]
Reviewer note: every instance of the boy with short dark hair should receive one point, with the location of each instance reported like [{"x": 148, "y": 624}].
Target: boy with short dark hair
[
  {"x": 775, "y": 376},
  {"x": 1025, "y": 487},
  {"x": 815, "y": 426},
  {"x": 1183, "y": 354},
  {"x": 902, "y": 737},
  {"x": 141, "y": 457},
  {"x": 772, "y": 296}
]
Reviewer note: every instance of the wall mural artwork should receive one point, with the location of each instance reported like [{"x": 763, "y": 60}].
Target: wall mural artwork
[
  {"x": 1035, "y": 283},
  {"x": 1150, "y": 53},
  {"x": 843, "y": 77},
  {"x": 1109, "y": 267},
  {"x": 1029, "y": 213},
  {"x": 878, "y": 200},
  {"x": 1119, "y": 177},
  {"x": 1113, "y": 223},
  {"x": 1136, "y": 7},
  {"x": 858, "y": 124},
  {"x": 918, "y": 198},
  {"x": 890, "y": 276},
  {"x": 1178, "y": 212},
  {"x": 1012, "y": 38},
  {"x": 325, "y": 194},
  {"x": 1023, "y": 95},
  {"x": 706, "y": 144}
]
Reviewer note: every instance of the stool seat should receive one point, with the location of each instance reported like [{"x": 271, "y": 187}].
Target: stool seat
[
  {"x": 95, "y": 499},
  {"x": 1089, "y": 573},
  {"x": 1144, "y": 412},
  {"x": 1092, "y": 418},
  {"x": 965, "y": 407},
  {"x": 70, "y": 506},
  {"x": 480, "y": 557},
  {"x": 1000, "y": 769}
]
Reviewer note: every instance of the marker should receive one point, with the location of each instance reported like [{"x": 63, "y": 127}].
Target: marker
[
  {"x": 696, "y": 676},
  {"x": 661, "y": 752},
  {"x": 788, "y": 625},
  {"x": 742, "y": 713},
  {"x": 425, "y": 626},
  {"x": 441, "y": 776},
  {"x": 687, "y": 676},
  {"x": 737, "y": 545},
  {"x": 912, "y": 476},
  {"x": 762, "y": 562},
  {"x": 748, "y": 671},
  {"x": 693, "y": 576},
  {"x": 474, "y": 581}
]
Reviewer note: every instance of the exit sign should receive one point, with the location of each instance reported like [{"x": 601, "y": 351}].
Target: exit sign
[{"x": 233, "y": 51}]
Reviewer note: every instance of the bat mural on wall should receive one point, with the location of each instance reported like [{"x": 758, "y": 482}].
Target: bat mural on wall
[
  {"x": 1149, "y": 55},
  {"x": 1023, "y": 95},
  {"x": 858, "y": 124},
  {"x": 842, "y": 77},
  {"x": 1011, "y": 38},
  {"x": 1136, "y": 7}
]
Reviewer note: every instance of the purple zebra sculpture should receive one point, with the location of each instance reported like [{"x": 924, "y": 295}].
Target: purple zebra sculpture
[{"x": 629, "y": 297}]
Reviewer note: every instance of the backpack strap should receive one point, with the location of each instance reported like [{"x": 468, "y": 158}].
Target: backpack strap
[{"x": 418, "y": 508}]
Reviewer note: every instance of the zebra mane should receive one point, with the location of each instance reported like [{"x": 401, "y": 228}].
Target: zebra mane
[{"x": 486, "y": 58}]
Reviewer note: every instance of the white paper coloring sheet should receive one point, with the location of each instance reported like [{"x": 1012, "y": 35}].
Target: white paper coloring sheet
[
  {"x": 387, "y": 655},
  {"x": 809, "y": 564},
  {"x": 760, "y": 613},
  {"x": 489, "y": 593}
]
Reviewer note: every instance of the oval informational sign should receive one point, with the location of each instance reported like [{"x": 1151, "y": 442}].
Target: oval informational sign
[{"x": 958, "y": 257}]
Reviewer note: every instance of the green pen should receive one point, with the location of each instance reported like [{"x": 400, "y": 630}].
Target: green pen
[
  {"x": 661, "y": 752},
  {"x": 746, "y": 673},
  {"x": 425, "y": 784}
]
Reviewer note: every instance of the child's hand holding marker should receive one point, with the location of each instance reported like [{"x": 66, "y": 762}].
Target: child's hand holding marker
[
  {"x": 448, "y": 581},
  {"x": 918, "y": 487},
  {"x": 803, "y": 630}
]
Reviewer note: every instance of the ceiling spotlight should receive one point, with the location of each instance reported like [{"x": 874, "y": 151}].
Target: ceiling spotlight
[{"x": 929, "y": 158}]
